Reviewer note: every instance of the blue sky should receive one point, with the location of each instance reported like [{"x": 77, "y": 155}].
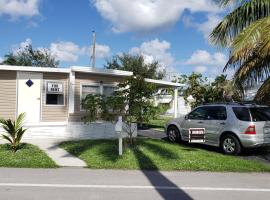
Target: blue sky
[{"x": 175, "y": 33}]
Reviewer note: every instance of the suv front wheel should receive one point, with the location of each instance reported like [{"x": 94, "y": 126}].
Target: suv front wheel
[
  {"x": 230, "y": 145},
  {"x": 173, "y": 134}
]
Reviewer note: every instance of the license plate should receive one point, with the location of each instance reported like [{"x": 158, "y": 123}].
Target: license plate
[{"x": 197, "y": 135}]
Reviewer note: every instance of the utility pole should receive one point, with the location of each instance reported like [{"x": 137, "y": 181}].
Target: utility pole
[{"x": 94, "y": 49}]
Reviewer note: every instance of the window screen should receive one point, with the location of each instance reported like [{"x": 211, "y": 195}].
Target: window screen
[
  {"x": 108, "y": 90},
  {"x": 90, "y": 89}
]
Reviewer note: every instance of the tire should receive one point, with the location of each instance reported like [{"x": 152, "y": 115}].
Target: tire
[
  {"x": 173, "y": 134},
  {"x": 230, "y": 145}
]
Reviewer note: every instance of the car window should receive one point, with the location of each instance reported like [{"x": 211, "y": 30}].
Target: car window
[
  {"x": 242, "y": 113},
  {"x": 260, "y": 114},
  {"x": 216, "y": 113},
  {"x": 198, "y": 114}
]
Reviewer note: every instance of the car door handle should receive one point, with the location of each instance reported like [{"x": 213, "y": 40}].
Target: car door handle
[
  {"x": 200, "y": 122},
  {"x": 222, "y": 123}
]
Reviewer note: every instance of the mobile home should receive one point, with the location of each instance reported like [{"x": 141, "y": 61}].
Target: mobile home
[{"x": 51, "y": 98}]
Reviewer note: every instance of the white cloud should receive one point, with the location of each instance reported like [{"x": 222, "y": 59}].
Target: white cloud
[
  {"x": 203, "y": 62},
  {"x": 65, "y": 51},
  {"x": 200, "y": 69},
  {"x": 1, "y": 59},
  {"x": 70, "y": 52},
  {"x": 207, "y": 26},
  {"x": 155, "y": 50},
  {"x": 19, "y": 8},
  {"x": 148, "y": 15},
  {"x": 202, "y": 57}
]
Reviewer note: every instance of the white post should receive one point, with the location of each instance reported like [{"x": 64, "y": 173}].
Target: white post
[
  {"x": 71, "y": 92},
  {"x": 175, "y": 102},
  {"x": 118, "y": 130}
]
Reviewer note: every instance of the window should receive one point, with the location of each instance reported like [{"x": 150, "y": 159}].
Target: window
[
  {"x": 260, "y": 114},
  {"x": 198, "y": 114},
  {"x": 216, "y": 113},
  {"x": 108, "y": 90},
  {"x": 54, "y": 93},
  {"x": 89, "y": 89},
  {"x": 242, "y": 113}
]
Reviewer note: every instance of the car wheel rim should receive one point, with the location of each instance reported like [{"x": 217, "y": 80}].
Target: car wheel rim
[
  {"x": 229, "y": 145},
  {"x": 172, "y": 135}
]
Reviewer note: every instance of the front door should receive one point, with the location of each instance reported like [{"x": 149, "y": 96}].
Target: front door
[{"x": 29, "y": 95}]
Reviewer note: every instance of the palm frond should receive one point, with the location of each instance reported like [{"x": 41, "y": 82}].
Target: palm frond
[
  {"x": 235, "y": 22},
  {"x": 7, "y": 138},
  {"x": 262, "y": 95}
]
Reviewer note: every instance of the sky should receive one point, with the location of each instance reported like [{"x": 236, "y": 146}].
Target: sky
[{"x": 173, "y": 32}]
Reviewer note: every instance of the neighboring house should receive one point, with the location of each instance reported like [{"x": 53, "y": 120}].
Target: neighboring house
[
  {"x": 51, "y": 97},
  {"x": 182, "y": 107}
]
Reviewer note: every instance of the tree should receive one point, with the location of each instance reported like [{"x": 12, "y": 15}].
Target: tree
[
  {"x": 204, "y": 91},
  {"x": 245, "y": 31},
  {"x": 14, "y": 130},
  {"x": 137, "y": 65},
  {"x": 28, "y": 56},
  {"x": 136, "y": 92}
]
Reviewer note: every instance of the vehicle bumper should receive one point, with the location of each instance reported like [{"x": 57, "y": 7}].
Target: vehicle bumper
[{"x": 254, "y": 140}]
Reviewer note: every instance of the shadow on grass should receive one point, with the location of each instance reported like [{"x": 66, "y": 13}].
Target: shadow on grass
[{"x": 156, "y": 178}]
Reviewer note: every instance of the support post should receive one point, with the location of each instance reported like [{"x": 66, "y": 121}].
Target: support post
[
  {"x": 175, "y": 102},
  {"x": 71, "y": 92}
]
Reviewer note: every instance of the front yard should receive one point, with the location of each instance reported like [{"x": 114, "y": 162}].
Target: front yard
[
  {"x": 27, "y": 156},
  {"x": 158, "y": 123},
  {"x": 152, "y": 154}
]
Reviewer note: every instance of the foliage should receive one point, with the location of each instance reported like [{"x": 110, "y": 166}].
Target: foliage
[
  {"x": 28, "y": 56},
  {"x": 262, "y": 95},
  {"x": 245, "y": 31},
  {"x": 204, "y": 91},
  {"x": 100, "y": 107},
  {"x": 14, "y": 130},
  {"x": 137, "y": 65}
]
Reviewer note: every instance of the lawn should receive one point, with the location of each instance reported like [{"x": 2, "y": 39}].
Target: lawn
[
  {"x": 27, "y": 156},
  {"x": 152, "y": 154},
  {"x": 158, "y": 123}
]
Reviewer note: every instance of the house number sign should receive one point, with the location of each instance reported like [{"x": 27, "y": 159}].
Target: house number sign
[{"x": 54, "y": 87}]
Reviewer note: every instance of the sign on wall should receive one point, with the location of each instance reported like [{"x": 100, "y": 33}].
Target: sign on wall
[
  {"x": 196, "y": 135},
  {"x": 54, "y": 87}
]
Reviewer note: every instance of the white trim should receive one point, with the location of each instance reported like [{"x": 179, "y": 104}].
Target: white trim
[
  {"x": 45, "y": 88},
  {"x": 34, "y": 69},
  {"x": 102, "y": 71},
  {"x": 164, "y": 83},
  {"x": 71, "y": 93}
]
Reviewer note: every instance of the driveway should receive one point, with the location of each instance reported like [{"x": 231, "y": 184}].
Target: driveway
[{"x": 70, "y": 183}]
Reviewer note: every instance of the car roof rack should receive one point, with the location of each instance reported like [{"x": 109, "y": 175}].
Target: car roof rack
[{"x": 243, "y": 103}]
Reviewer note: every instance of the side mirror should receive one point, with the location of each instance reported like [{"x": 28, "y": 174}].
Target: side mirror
[{"x": 186, "y": 117}]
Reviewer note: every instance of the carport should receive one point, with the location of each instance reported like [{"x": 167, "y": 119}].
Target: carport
[{"x": 166, "y": 85}]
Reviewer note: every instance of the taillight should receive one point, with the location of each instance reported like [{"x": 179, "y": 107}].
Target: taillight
[{"x": 251, "y": 130}]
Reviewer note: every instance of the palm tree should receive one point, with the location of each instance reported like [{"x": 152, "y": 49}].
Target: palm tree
[
  {"x": 246, "y": 32},
  {"x": 13, "y": 130}
]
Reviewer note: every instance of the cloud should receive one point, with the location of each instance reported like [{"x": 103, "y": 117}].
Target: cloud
[
  {"x": 70, "y": 52},
  {"x": 1, "y": 60},
  {"x": 155, "y": 50},
  {"x": 19, "y": 8},
  {"x": 204, "y": 62},
  {"x": 200, "y": 69},
  {"x": 207, "y": 26},
  {"x": 148, "y": 15}
]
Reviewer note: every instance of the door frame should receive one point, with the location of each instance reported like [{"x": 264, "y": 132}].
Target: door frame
[{"x": 41, "y": 93}]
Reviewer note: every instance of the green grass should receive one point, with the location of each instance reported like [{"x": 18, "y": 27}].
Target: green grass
[
  {"x": 159, "y": 123},
  {"x": 27, "y": 156},
  {"x": 152, "y": 154}
]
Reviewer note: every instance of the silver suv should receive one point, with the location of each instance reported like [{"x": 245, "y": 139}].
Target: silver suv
[{"x": 231, "y": 127}]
